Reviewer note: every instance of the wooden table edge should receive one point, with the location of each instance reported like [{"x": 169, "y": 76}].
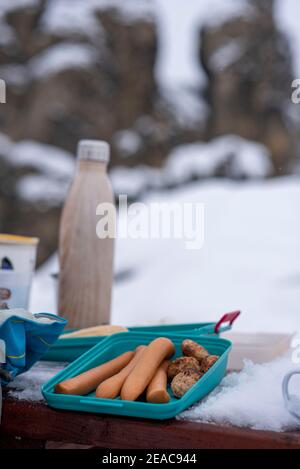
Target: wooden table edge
[{"x": 35, "y": 421}]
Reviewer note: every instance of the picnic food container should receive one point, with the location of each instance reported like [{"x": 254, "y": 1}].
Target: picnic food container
[
  {"x": 113, "y": 346},
  {"x": 67, "y": 350},
  {"x": 17, "y": 264}
]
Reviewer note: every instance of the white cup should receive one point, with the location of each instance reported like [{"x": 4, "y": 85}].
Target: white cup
[
  {"x": 292, "y": 402},
  {"x": 19, "y": 253}
]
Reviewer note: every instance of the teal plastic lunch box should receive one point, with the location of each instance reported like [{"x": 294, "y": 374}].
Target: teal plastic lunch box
[
  {"x": 116, "y": 344},
  {"x": 68, "y": 350}
]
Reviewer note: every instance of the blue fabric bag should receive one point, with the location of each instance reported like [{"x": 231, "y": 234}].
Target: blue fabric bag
[{"x": 27, "y": 338}]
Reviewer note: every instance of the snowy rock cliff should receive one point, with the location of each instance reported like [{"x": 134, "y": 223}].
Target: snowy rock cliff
[{"x": 249, "y": 67}]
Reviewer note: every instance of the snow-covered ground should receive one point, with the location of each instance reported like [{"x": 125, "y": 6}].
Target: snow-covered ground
[{"x": 249, "y": 261}]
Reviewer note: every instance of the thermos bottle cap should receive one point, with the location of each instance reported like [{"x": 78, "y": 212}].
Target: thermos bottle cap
[{"x": 96, "y": 150}]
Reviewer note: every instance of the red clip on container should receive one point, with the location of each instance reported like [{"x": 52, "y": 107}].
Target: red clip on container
[{"x": 228, "y": 317}]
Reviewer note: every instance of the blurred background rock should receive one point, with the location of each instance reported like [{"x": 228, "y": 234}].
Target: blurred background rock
[{"x": 183, "y": 91}]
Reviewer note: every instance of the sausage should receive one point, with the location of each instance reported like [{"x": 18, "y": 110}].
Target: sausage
[
  {"x": 182, "y": 364},
  {"x": 192, "y": 349},
  {"x": 208, "y": 362},
  {"x": 157, "y": 390},
  {"x": 89, "y": 380},
  {"x": 184, "y": 381},
  {"x": 141, "y": 375},
  {"x": 111, "y": 387}
]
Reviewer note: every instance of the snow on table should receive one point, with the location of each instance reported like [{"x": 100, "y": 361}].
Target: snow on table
[
  {"x": 27, "y": 386},
  {"x": 251, "y": 398}
]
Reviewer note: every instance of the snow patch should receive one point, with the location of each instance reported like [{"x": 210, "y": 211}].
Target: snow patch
[
  {"x": 7, "y": 6},
  {"x": 5, "y": 144},
  {"x": 226, "y": 55},
  {"x": 27, "y": 386},
  {"x": 54, "y": 59},
  {"x": 134, "y": 181},
  {"x": 179, "y": 26},
  {"x": 42, "y": 189},
  {"x": 245, "y": 159},
  {"x": 80, "y": 17},
  {"x": 219, "y": 11},
  {"x": 128, "y": 142},
  {"x": 51, "y": 168},
  {"x": 251, "y": 398},
  {"x": 178, "y": 69},
  {"x": 250, "y": 160},
  {"x": 61, "y": 57},
  {"x": 188, "y": 106},
  {"x": 50, "y": 160},
  {"x": 15, "y": 74},
  {"x": 7, "y": 34},
  {"x": 230, "y": 156},
  {"x": 194, "y": 160}
]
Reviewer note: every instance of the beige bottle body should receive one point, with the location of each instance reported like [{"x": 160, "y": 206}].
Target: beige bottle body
[{"x": 86, "y": 261}]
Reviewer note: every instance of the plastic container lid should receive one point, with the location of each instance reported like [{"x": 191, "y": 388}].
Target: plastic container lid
[{"x": 95, "y": 150}]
